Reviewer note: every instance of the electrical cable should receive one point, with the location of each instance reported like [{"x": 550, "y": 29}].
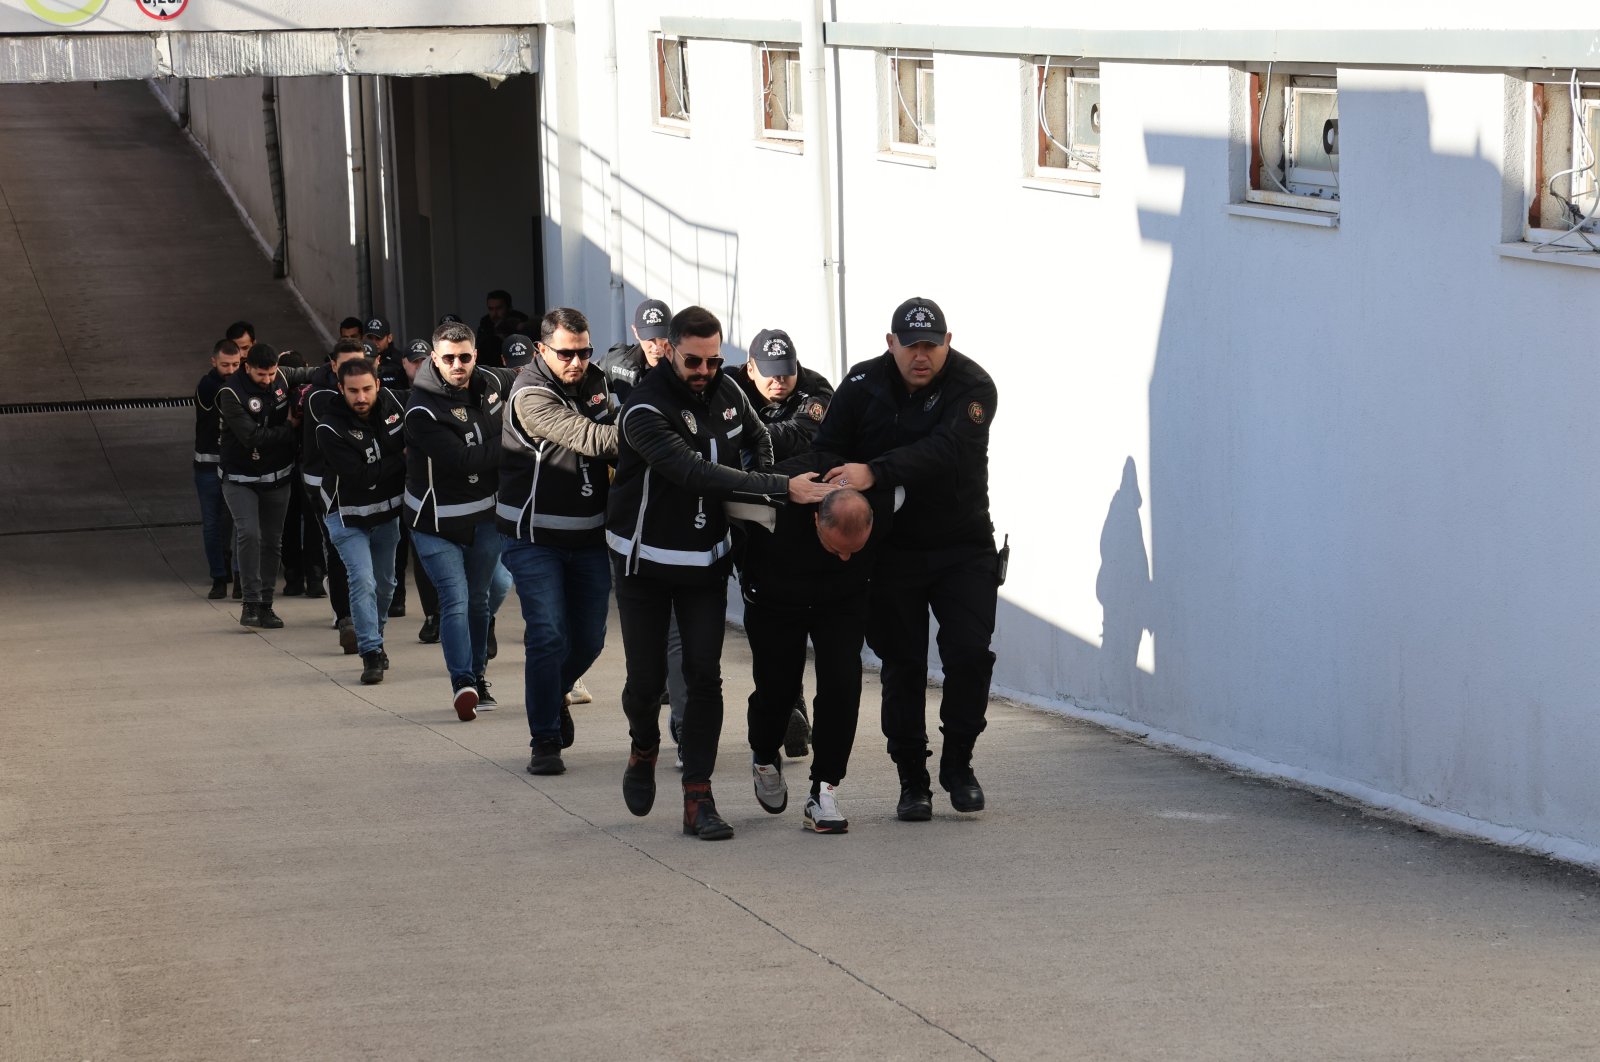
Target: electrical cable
[
  {"x": 681, "y": 85},
  {"x": 1261, "y": 122},
  {"x": 1044, "y": 121},
  {"x": 894, "y": 74},
  {"x": 1577, "y": 219},
  {"x": 782, "y": 105}
]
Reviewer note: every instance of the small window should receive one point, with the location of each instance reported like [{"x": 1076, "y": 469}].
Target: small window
[
  {"x": 1066, "y": 110},
  {"x": 782, "y": 91},
  {"x": 1564, "y": 212},
  {"x": 1294, "y": 146},
  {"x": 672, "y": 81},
  {"x": 908, "y": 104}
]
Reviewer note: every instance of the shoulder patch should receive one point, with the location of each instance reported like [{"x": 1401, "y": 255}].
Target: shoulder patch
[
  {"x": 391, "y": 418},
  {"x": 729, "y": 413},
  {"x": 494, "y": 396},
  {"x": 815, "y": 409},
  {"x": 597, "y": 399},
  {"x": 975, "y": 412},
  {"x": 858, "y": 377}
]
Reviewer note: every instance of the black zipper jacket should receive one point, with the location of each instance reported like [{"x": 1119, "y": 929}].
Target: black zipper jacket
[
  {"x": 793, "y": 422},
  {"x": 258, "y": 443},
  {"x": 553, "y": 476},
  {"x": 452, "y": 452},
  {"x": 207, "y": 424},
  {"x": 934, "y": 444},
  {"x": 678, "y": 459},
  {"x": 363, "y": 461}
]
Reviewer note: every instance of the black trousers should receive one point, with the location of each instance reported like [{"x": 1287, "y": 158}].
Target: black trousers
[
  {"x": 960, "y": 587},
  {"x": 778, "y": 636},
  {"x": 644, "y": 605},
  {"x": 338, "y": 578}
]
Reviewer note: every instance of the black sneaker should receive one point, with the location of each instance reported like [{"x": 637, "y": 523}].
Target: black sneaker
[
  {"x": 466, "y": 700},
  {"x": 397, "y": 608},
  {"x": 546, "y": 759},
  {"x": 797, "y": 738},
  {"x": 250, "y": 615},
  {"x": 372, "y": 667},
  {"x": 700, "y": 818},
  {"x": 314, "y": 587},
  {"x": 486, "y": 701},
  {"x": 569, "y": 731},
  {"x": 639, "y": 780},
  {"x": 219, "y": 589},
  {"x": 269, "y": 618},
  {"x": 293, "y": 585},
  {"x": 385, "y": 654},
  {"x": 429, "y": 634},
  {"x": 347, "y": 635},
  {"x": 494, "y": 646}
]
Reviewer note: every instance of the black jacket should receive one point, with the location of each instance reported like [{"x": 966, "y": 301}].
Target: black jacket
[
  {"x": 452, "y": 452},
  {"x": 362, "y": 459},
  {"x": 391, "y": 373},
  {"x": 934, "y": 443},
  {"x": 787, "y": 566},
  {"x": 553, "y": 476},
  {"x": 322, "y": 395},
  {"x": 678, "y": 459},
  {"x": 793, "y": 422},
  {"x": 258, "y": 443},
  {"x": 624, "y": 366},
  {"x": 207, "y": 423}
]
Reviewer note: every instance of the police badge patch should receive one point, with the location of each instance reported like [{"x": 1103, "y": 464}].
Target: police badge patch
[
  {"x": 356, "y": 435},
  {"x": 975, "y": 412},
  {"x": 815, "y": 410},
  {"x": 693, "y": 425},
  {"x": 729, "y": 413},
  {"x": 255, "y": 405},
  {"x": 459, "y": 413}
]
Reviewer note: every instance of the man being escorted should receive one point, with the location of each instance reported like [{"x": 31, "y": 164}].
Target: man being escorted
[
  {"x": 917, "y": 417},
  {"x": 258, "y": 450},
  {"x": 681, "y": 434},
  {"x": 807, "y": 578},
  {"x": 216, "y": 527},
  {"x": 552, "y": 511},
  {"x": 453, "y": 426},
  {"x": 362, "y": 443}
]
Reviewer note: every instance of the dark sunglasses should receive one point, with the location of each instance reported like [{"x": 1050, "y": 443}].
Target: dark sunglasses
[
  {"x": 694, "y": 361},
  {"x": 581, "y": 353},
  {"x": 451, "y": 359}
]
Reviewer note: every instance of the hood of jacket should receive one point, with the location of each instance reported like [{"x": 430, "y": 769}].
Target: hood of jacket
[{"x": 428, "y": 379}]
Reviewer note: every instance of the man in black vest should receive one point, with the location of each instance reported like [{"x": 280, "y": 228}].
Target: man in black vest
[
  {"x": 216, "y": 526},
  {"x": 559, "y": 436},
  {"x": 321, "y": 395},
  {"x": 360, "y": 437},
  {"x": 917, "y": 417},
  {"x": 453, "y": 428},
  {"x": 682, "y": 435},
  {"x": 258, "y": 451}
]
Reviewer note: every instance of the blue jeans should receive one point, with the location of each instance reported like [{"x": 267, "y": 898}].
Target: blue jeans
[
  {"x": 565, "y": 594},
  {"x": 464, "y": 577},
  {"x": 216, "y": 525},
  {"x": 368, "y": 555}
]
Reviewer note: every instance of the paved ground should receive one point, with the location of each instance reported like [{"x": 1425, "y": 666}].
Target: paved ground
[{"x": 215, "y": 845}]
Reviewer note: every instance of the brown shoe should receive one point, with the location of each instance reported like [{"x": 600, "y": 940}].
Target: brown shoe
[
  {"x": 700, "y": 818},
  {"x": 639, "y": 779}
]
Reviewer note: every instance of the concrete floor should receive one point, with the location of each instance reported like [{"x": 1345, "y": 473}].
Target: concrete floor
[{"x": 215, "y": 844}]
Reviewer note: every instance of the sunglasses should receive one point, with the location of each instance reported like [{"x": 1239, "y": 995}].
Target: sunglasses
[
  {"x": 694, "y": 361},
  {"x": 451, "y": 359},
  {"x": 581, "y": 353}
]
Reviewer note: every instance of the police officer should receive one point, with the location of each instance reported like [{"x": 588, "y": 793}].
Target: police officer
[
  {"x": 258, "y": 452},
  {"x": 917, "y": 418},
  {"x": 453, "y": 428},
  {"x": 216, "y": 526},
  {"x": 626, "y": 363},
  {"x": 804, "y": 578},
  {"x": 554, "y": 481},
  {"x": 681, "y": 437},
  {"x": 360, "y": 438},
  {"x": 321, "y": 395},
  {"x": 789, "y": 398},
  {"x": 398, "y": 379}
]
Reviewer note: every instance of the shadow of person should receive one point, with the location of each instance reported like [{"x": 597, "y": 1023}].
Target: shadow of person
[{"x": 1122, "y": 586}]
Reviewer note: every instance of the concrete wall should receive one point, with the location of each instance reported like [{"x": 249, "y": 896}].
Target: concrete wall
[{"x": 1314, "y": 499}]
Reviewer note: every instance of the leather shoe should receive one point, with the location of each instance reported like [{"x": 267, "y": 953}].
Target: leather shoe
[
  {"x": 639, "y": 780},
  {"x": 962, "y": 785},
  {"x": 700, "y": 818}
]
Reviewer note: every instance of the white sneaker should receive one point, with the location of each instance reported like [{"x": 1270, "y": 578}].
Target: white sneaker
[
  {"x": 771, "y": 790},
  {"x": 822, "y": 812},
  {"x": 580, "y": 694}
]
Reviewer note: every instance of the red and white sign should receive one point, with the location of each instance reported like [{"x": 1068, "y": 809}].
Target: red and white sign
[{"x": 162, "y": 10}]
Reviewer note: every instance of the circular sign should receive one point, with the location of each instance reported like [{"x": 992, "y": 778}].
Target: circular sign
[
  {"x": 163, "y": 10},
  {"x": 66, "y": 12}
]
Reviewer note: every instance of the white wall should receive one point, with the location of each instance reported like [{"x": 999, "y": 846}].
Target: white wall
[{"x": 1358, "y": 461}]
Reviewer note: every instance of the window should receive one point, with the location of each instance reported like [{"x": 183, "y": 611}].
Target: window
[
  {"x": 1065, "y": 140},
  {"x": 782, "y": 91},
  {"x": 908, "y": 104},
  {"x": 672, "y": 81},
  {"x": 1564, "y": 157},
  {"x": 1294, "y": 146}
]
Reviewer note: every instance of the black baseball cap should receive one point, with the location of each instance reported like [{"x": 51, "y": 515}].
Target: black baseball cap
[
  {"x": 375, "y": 326},
  {"x": 518, "y": 350},
  {"x": 450, "y": 318},
  {"x": 918, "y": 320},
  {"x": 419, "y": 349},
  {"x": 773, "y": 353},
  {"x": 369, "y": 352},
  {"x": 651, "y": 319}
]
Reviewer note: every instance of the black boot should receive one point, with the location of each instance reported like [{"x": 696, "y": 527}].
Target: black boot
[
  {"x": 238, "y": 588},
  {"x": 957, "y": 779},
  {"x": 916, "y": 798},
  {"x": 372, "y": 667},
  {"x": 797, "y": 736},
  {"x": 639, "y": 779},
  {"x": 269, "y": 618},
  {"x": 700, "y": 818},
  {"x": 219, "y": 589},
  {"x": 314, "y": 587},
  {"x": 250, "y": 615},
  {"x": 293, "y": 584}
]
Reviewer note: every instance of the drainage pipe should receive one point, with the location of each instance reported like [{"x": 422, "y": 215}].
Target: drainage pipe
[{"x": 269, "y": 114}]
